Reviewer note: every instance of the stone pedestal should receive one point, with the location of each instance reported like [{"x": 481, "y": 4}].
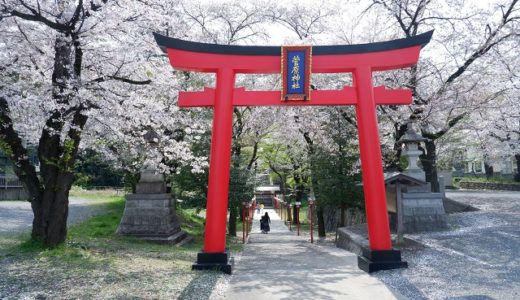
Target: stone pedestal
[
  {"x": 213, "y": 261},
  {"x": 378, "y": 260},
  {"x": 150, "y": 213},
  {"x": 355, "y": 239},
  {"x": 423, "y": 211}
]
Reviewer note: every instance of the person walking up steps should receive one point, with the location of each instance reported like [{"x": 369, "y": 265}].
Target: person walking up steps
[{"x": 264, "y": 223}]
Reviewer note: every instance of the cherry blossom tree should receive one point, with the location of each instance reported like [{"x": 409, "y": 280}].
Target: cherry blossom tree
[
  {"x": 62, "y": 63},
  {"x": 460, "y": 71}
]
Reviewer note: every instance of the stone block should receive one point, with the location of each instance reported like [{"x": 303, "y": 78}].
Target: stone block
[
  {"x": 440, "y": 211},
  {"x": 417, "y": 211},
  {"x": 150, "y": 217},
  {"x": 418, "y": 189},
  {"x": 410, "y": 203},
  {"x": 148, "y": 196},
  {"x": 425, "y": 202},
  {"x": 407, "y": 211},
  {"x": 151, "y": 188}
]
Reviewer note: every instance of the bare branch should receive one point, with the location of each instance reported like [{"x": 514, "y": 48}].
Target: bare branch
[
  {"x": 37, "y": 17},
  {"x": 440, "y": 133},
  {"x": 122, "y": 79}
]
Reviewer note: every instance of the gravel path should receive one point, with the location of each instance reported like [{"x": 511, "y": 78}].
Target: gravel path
[
  {"x": 16, "y": 216},
  {"x": 477, "y": 258}
]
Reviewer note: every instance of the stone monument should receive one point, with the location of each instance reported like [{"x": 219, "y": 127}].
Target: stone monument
[
  {"x": 422, "y": 210},
  {"x": 149, "y": 213},
  {"x": 411, "y": 204}
]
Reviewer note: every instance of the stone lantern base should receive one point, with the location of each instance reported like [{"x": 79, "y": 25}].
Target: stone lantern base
[{"x": 150, "y": 215}]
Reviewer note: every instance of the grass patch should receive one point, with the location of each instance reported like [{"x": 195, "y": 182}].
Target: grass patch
[
  {"x": 495, "y": 180},
  {"x": 98, "y": 234},
  {"x": 101, "y": 264},
  {"x": 102, "y": 226},
  {"x": 457, "y": 180},
  {"x": 100, "y": 195},
  {"x": 96, "y": 230},
  {"x": 193, "y": 224}
]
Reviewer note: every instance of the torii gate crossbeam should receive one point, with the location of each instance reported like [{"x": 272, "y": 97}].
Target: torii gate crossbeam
[{"x": 361, "y": 60}]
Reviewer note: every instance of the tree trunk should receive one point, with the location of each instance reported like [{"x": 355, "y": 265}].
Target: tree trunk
[
  {"x": 51, "y": 209},
  {"x": 489, "y": 170},
  {"x": 236, "y": 151},
  {"x": 429, "y": 163},
  {"x": 300, "y": 188},
  {"x": 254, "y": 156},
  {"x": 233, "y": 205},
  {"x": 282, "y": 185},
  {"x": 342, "y": 215},
  {"x": 282, "y": 179},
  {"x": 321, "y": 221},
  {"x": 296, "y": 215},
  {"x": 517, "y": 175},
  {"x": 232, "y": 225},
  {"x": 394, "y": 162},
  {"x": 57, "y": 157}
]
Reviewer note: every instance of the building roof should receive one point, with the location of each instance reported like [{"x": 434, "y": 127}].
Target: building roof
[
  {"x": 268, "y": 188},
  {"x": 402, "y": 178}
]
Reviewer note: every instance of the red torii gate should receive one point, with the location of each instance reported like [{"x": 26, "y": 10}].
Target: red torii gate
[{"x": 360, "y": 60}]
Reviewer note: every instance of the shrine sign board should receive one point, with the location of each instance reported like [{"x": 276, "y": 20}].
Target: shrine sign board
[
  {"x": 296, "y": 73},
  {"x": 361, "y": 60}
]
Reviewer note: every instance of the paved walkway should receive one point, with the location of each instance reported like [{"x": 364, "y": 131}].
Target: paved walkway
[
  {"x": 281, "y": 265},
  {"x": 17, "y": 216}
]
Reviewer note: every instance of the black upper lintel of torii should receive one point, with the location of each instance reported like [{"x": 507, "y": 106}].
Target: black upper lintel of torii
[{"x": 169, "y": 42}]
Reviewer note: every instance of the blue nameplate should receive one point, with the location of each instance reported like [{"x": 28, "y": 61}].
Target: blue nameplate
[{"x": 296, "y": 72}]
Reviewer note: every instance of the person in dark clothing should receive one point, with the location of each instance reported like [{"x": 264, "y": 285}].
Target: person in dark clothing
[{"x": 264, "y": 223}]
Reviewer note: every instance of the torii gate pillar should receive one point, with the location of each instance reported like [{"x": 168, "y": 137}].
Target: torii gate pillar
[{"x": 361, "y": 60}]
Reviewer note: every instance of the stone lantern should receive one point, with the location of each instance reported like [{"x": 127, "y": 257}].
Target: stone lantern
[
  {"x": 149, "y": 213},
  {"x": 411, "y": 151}
]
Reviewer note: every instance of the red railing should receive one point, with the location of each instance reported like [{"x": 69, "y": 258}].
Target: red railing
[
  {"x": 248, "y": 211},
  {"x": 285, "y": 211},
  {"x": 285, "y": 214},
  {"x": 278, "y": 204}
]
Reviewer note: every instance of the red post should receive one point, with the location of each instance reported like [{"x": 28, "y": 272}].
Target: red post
[
  {"x": 249, "y": 216},
  {"x": 220, "y": 158},
  {"x": 298, "y": 219},
  {"x": 244, "y": 223},
  {"x": 252, "y": 215},
  {"x": 371, "y": 165},
  {"x": 289, "y": 216}
]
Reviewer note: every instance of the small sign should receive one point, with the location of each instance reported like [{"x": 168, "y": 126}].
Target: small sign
[{"x": 296, "y": 72}]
